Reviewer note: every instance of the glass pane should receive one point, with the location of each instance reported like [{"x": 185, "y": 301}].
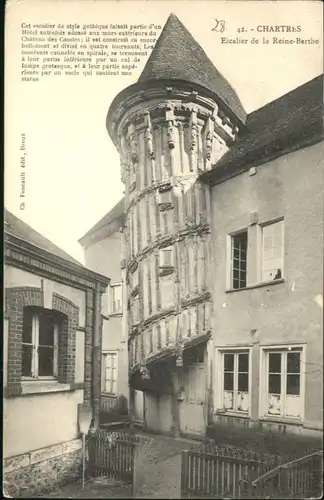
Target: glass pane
[
  {"x": 228, "y": 362},
  {"x": 267, "y": 255},
  {"x": 108, "y": 385},
  {"x": 236, "y": 284},
  {"x": 45, "y": 361},
  {"x": 243, "y": 382},
  {"x": 27, "y": 326},
  {"x": 278, "y": 245},
  {"x": 228, "y": 400},
  {"x": 236, "y": 253},
  {"x": 293, "y": 384},
  {"x": 243, "y": 278},
  {"x": 108, "y": 361},
  {"x": 274, "y": 405},
  {"x": 267, "y": 243},
  {"x": 236, "y": 264},
  {"x": 236, "y": 274},
  {"x": 243, "y": 253},
  {"x": 293, "y": 362},
  {"x": 275, "y": 362},
  {"x": 274, "y": 384},
  {"x": 26, "y": 370},
  {"x": 46, "y": 328},
  {"x": 243, "y": 362},
  {"x": 228, "y": 381}
]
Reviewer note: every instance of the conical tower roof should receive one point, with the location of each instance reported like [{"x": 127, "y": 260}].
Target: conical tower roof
[{"x": 177, "y": 56}]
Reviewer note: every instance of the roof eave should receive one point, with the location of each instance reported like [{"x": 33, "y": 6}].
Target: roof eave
[
  {"x": 148, "y": 84},
  {"x": 77, "y": 269},
  {"x": 224, "y": 171},
  {"x": 100, "y": 233}
]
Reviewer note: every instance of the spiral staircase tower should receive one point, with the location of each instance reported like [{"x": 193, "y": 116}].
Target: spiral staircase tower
[{"x": 169, "y": 127}]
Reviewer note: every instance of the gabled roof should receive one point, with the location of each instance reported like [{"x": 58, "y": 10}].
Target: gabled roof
[
  {"x": 16, "y": 227},
  {"x": 117, "y": 212},
  {"x": 284, "y": 124},
  {"x": 298, "y": 105},
  {"x": 177, "y": 56}
]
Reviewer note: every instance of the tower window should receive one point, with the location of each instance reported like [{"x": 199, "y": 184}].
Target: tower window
[{"x": 166, "y": 257}]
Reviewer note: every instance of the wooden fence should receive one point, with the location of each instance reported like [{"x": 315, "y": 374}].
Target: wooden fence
[
  {"x": 211, "y": 472},
  {"x": 111, "y": 454},
  {"x": 301, "y": 478},
  {"x": 218, "y": 473}
]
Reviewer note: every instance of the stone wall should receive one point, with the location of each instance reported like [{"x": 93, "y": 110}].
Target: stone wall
[{"x": 41, "y": 471}]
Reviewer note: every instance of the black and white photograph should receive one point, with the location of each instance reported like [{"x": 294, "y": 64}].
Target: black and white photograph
[{"x": 163, "y": 249}]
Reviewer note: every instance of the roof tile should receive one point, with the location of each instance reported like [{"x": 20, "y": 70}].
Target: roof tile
[{"x": 177, "y": 56}]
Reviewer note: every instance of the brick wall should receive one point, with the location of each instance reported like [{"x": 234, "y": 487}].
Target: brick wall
[
  {"x": 66, "y": 368},
  {"x": 16, "y": 299}
]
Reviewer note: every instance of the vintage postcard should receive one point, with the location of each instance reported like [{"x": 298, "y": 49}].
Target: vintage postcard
[{"x": 163, "y": 275}]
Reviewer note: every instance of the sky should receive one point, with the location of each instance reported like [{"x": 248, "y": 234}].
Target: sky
[{"x": 72, "y": 167}]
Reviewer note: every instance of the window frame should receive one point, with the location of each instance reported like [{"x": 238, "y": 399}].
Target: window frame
[
  {"x": 111, "y": 301},
  {"x": 244, "y": 230},
  {"x": 264, "y": 375},
  {"x": 135, "y": 306},
  {"x": 167, "y": 193},
  {"x": 35, "y": 354},
  {"x": 219, "y": 393},
  {"x": 103, "y": 365},
  {"x": 261, "y": 257},
  {"x": 162, "y": 264}
]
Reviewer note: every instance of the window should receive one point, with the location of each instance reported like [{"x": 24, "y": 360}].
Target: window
[
  {"x": 136, "y": 310},
  {"x": 135, "y": 280},
  {"x": 166, "y": 257},
  {"x": 272, "y": 251},
  {"x": 110, "y": 372},
  {"x": 39, "y": 343},
  {"x": 116, "y": 299},
  {"x": 239, "y": 260},
  {"x": 235, "y": 382},
  {"x": 165, "y": 197},
  {"x": 283, "y": 383}
]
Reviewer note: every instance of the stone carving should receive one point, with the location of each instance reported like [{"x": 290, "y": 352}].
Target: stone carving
[
  {"x": 179, "y": 358},
  {"x": 149, "y": 136},
  {"x": 193, "y": 132},
  {"x": 169, "y": 114},
  {"x": 145, "y": 373},
  {"x": 123, "y": 158},
  {"x": 171, "y": 141},
  {"x": 133, "y": 148},
  {"x": 209, "y": 145}
]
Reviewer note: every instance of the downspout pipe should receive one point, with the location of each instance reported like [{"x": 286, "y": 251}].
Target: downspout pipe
[{"x": 96, "y": 356}]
